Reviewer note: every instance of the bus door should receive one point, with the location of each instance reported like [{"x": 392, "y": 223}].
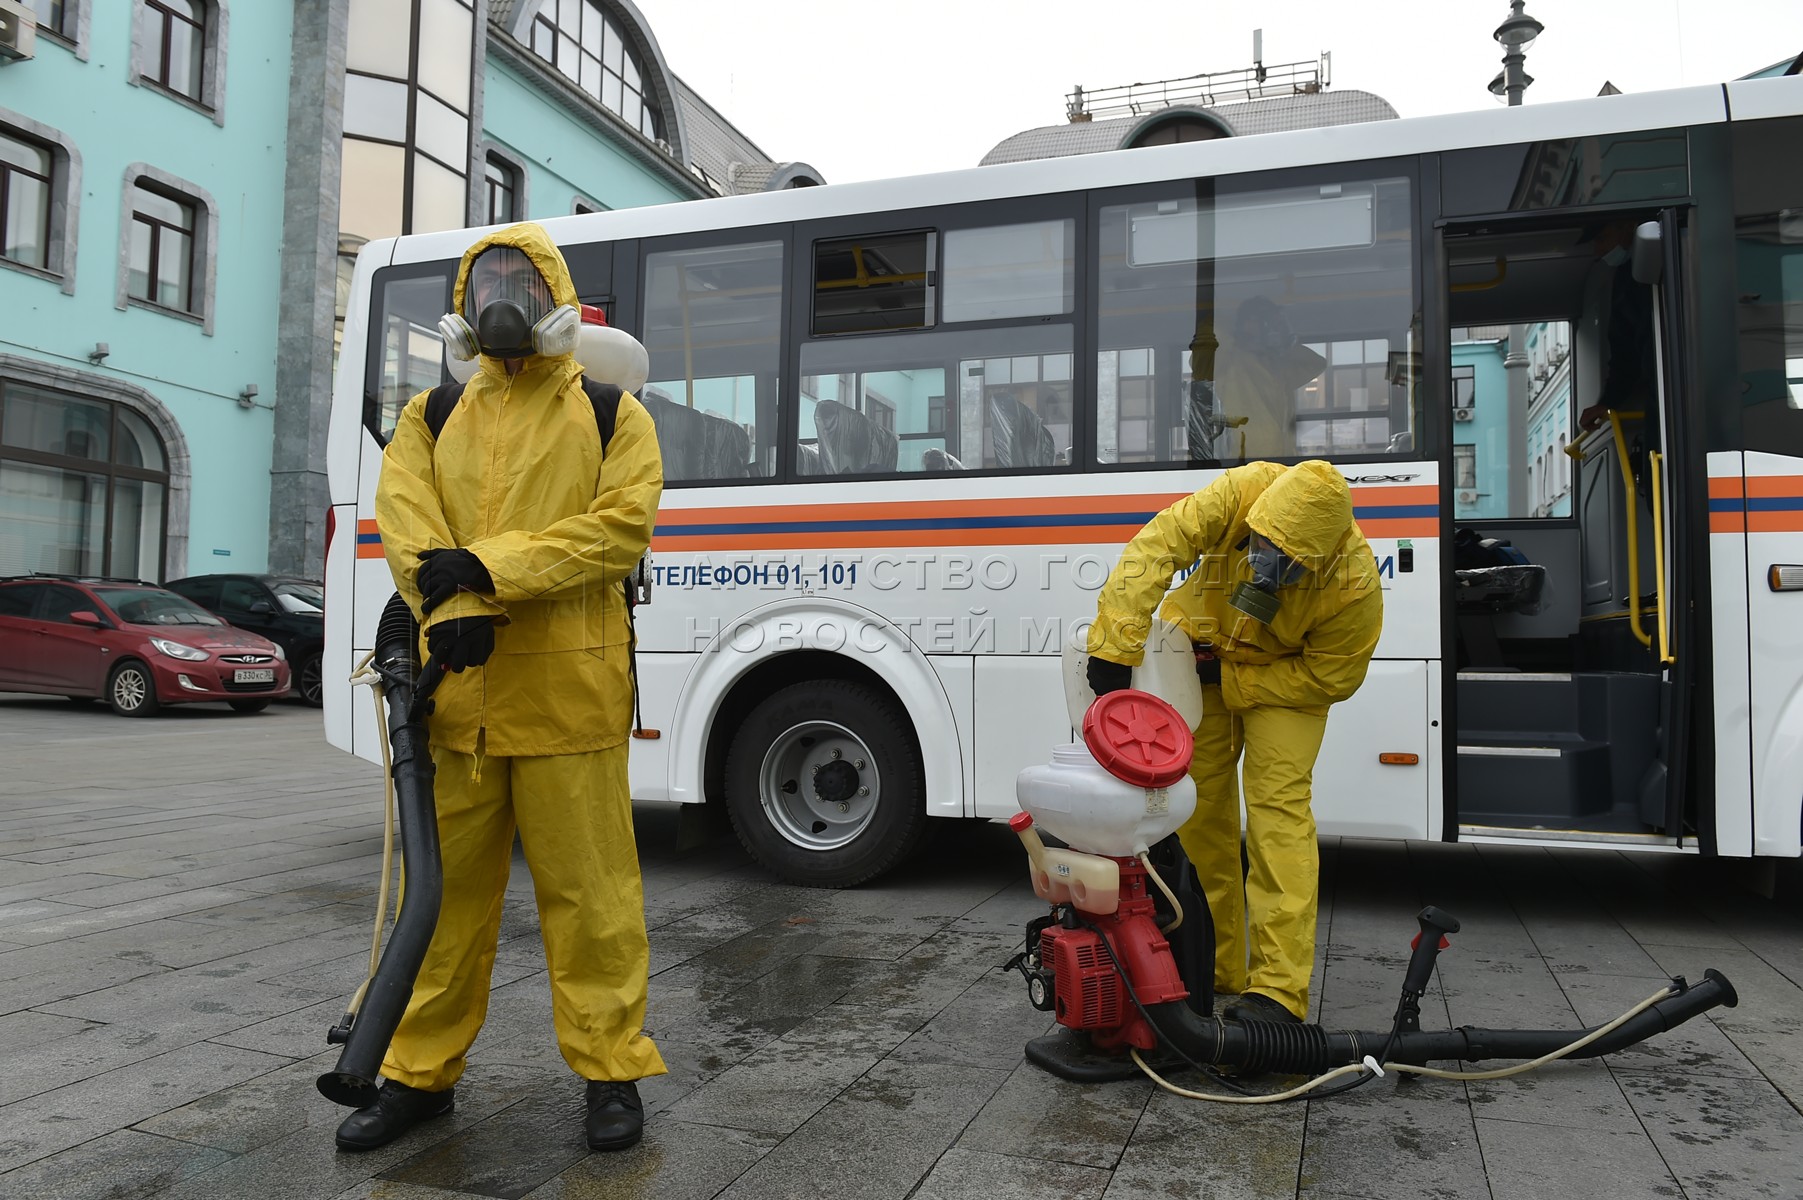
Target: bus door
[
  {"x": 1760, "y": 500},
  {"x": 1668, "y": 802},
  {"x": 1563, "y": 553}
]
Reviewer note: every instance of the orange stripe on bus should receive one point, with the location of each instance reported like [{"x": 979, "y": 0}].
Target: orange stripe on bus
[
  {"x": 892, "y": 510},
  {"x": 1727, "y": 522},
  {"x": 1053, "y": 535},
  {"x": 1410, "y": 527},
  {"x": 1775, "y": 522},
  {"x": 1723, "y": 487},
  {"x": 1773, "y": 485}
]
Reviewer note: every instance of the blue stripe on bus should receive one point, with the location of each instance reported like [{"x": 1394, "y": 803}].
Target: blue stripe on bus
[
  {"x": 1394, "y": 512},
  {"x": 1727, "y": 504},
  {"x": 365, "y": 539},
  {"x": 1770, "y": 504}
]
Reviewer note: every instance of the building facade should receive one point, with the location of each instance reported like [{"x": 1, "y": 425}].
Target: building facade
[{"x": 185, "y": 186}]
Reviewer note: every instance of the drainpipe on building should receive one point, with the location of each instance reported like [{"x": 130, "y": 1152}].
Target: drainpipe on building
[{"x": 1515, "y": 371}]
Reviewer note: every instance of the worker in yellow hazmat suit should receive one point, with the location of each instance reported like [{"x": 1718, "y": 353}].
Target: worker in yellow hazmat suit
[
  {"x": 1255, "y": 368},
  {"x": 510, "y": 533},
  {"x": 1285, "y": 608}
]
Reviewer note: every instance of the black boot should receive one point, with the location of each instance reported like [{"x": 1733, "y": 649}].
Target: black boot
[
  {"x": 616, "y": 1116},
  {"x": 397, "y": 1109},
  {"x": 1256, "y": 1006}
]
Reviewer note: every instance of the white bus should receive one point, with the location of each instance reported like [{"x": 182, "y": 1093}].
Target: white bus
[{"x": 907, "y": 426}]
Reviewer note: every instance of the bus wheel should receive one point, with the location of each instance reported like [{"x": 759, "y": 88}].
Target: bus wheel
[{"x": 823, "y": 784}]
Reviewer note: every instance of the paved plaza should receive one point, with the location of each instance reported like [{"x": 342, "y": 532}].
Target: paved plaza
[{"x": 185, "y": 905}]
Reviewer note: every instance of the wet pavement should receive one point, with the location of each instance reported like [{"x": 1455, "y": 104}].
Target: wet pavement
[{"x": 185, "y": 905}]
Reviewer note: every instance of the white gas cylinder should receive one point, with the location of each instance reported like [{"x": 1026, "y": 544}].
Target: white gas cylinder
[
  {"x": 1168, "y": 672},
  {"x": 1138, "y": 798}
]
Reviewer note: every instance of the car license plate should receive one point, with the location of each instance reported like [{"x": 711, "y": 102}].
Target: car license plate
[{"x": 254, "y": 675}]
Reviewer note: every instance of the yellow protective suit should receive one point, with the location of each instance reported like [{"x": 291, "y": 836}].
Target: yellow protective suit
[
  {"x": 1257, "y": 388},
  {"x": 1277, "y": 681},
  {"x": 536, "y": 738}
]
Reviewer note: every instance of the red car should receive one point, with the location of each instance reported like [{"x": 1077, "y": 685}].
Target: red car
[{"x": 137, "y": 645}]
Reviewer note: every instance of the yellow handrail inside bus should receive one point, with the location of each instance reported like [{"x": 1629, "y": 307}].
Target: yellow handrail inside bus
[
  {"x": 1654, "y": 460},
  {"x": 1484, "y": 285},
  {"x": 1627, "y": 484}
]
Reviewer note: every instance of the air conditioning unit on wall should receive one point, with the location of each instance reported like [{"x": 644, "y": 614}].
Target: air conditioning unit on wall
[
  {"x": 1463, "y": 414},
  {"x": 18, "y": 31},
  {"x": 1467, "y": 498}
]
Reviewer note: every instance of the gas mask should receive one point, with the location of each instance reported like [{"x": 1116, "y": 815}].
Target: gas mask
[
  {"x": 508, "y": 311},
  {"x": 1265, "y": 330},
  {"x": 1271, "y": 569}
]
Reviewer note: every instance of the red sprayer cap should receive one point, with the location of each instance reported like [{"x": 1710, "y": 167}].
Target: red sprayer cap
[
  {"x": 1020, "y": 821},
  {"x": 1138, "y": 738}
]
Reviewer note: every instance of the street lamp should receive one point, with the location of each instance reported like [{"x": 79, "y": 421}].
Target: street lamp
[{"x": 1516, "y": 34}]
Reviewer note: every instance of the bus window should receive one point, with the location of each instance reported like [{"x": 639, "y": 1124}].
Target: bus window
[
  {"x": 713, "y": 317},
  {"x": 1645, "y": 165},
  {"x": 1768, "y": 254},
  {"x": 1003, "y": 271},
  {"x": 866, "y": 284},
  {"x": 1266, "y": 324},
  {"x": 948, "y": 400},
  {"x": 408, "y": 354}
]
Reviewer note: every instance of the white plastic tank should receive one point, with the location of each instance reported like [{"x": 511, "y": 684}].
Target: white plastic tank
[
  {"x": 1168, "y": 672},
  {"x": 1124, "y": 787}
]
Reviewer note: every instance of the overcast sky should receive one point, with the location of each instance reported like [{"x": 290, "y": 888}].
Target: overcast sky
[{"x": 865, "y": 89}]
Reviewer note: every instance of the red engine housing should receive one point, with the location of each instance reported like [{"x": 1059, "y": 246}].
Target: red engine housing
[{"x": 1088, "y": 990}]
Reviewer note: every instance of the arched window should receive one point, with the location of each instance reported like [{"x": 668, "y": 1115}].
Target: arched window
[
  {"x": 586, "y": 45},
  {"x": 83, "y": 486},
  {"x": 1179, "y": 129}
]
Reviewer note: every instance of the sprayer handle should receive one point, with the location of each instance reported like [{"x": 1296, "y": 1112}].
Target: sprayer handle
[
  {"x": 1428, "y": 943},
  {"x": 425, "y": 683}
]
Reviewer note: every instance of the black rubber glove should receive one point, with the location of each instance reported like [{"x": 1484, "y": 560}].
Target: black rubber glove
[
  {"x": 444, "y": 573},
  {"x": 461, "y": 642},
  {"x": 1208, "y": 670},
  {"x": 1105, "y": 676}
]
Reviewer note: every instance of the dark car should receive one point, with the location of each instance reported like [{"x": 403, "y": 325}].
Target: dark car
[
  {"x": 289, "y": 612},
  {"x": 137, "y": 645}
]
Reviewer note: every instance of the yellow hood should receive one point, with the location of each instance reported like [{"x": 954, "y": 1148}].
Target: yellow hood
[
  {"x": 531, "y": 238},
  {"x": 1306, "y": 512}
]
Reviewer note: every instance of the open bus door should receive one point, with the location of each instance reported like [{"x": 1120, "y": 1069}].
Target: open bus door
[
  {"x": 1657, "y": 261},
  {"x": 1569, "y": 585}
]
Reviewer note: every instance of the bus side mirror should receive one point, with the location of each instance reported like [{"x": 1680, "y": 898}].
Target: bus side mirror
[{"x": 1648, "y": 255}]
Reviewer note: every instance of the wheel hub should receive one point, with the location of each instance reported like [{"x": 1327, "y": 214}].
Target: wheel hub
[
  {"x": 819, "y": 785},
  {"x": 836, "y": 782}
]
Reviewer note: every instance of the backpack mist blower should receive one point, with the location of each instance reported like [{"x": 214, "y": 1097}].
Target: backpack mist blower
[
  {"x": 375, "y": 1011},
  {"x": 1125, "y": 958}
]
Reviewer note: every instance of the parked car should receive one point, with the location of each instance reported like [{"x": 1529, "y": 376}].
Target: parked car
[
  {"x": 289, "y": 612},
  {"x": 134, "y": 644}
]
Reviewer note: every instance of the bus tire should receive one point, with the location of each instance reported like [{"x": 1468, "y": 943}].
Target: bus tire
[{"x": 824, "y": 783}]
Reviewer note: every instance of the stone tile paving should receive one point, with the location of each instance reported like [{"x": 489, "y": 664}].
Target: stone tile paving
[{"x": 184, "y": 906}]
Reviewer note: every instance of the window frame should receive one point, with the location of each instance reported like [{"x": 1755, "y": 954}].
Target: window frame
[
  {"x": 64, "y": 199},
  {"x": 72, "y": 31},
  {"x": 157, "y": 226},
  {"x": 545, "y": 25},
  {"x": 150, "y": 55},
  {"x": 634, "y": 304},
  {"x": 940, "y": 220},
  {"x": 1426, "y": 416},
  {"x": 444, "y": 270},
  {"x": 109, "y": 468},
  {"x": 203, "y": 268},
  {"x": 495, "y": 156}
]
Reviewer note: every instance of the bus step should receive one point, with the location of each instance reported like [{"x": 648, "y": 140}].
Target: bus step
[{"x": 1505, "y": 779}]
